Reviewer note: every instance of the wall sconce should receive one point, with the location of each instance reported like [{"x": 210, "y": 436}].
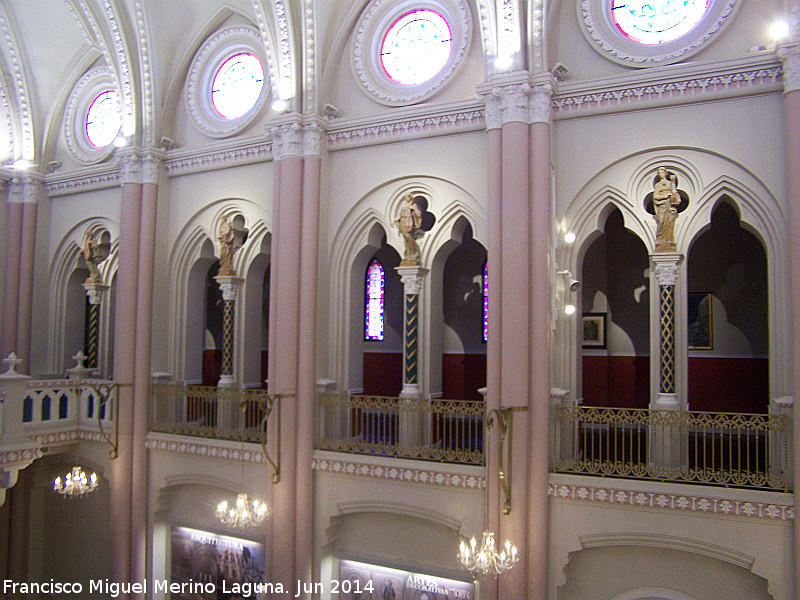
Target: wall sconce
[{"x": 573, "y": 285}]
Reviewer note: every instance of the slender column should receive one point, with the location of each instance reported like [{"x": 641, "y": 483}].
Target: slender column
[
  {"x": 789, "y": 52},
  {"x": 124, "y": 366},
  {"x": 665, "y": 446},
  {"x": 95, "y": 292},
  {"x": 412, "y": 277},
  {"x": 13, "y": 251},
  {"x": 306, "y": 391},
  {"x": 229, "y": 285}
]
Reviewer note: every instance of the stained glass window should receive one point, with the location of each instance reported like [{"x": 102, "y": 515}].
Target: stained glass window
[
  {"x": 103, "y": 119},
  {"x": 416, "y": 47},
  {"x": 657, "y": 21},
  {"x": 237, "y": 85},
  {"x": 486, "y": 301},
  {"x": 373, "y": 321}
]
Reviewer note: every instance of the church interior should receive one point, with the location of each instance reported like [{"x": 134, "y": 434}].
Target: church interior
[{"x": 399, "y": 299}]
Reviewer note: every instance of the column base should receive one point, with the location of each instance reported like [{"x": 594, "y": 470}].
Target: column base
[
  {"x": 226, "y": 381},
  {"x": 411, "y": 390},
  {"x": 666, "y": 402}
]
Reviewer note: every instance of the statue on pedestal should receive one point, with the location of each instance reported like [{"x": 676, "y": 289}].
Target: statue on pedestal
[
  {"x": 231, "y": 236},
  {"x": 413, "y": 220},
  {"x": 94, "y": 252},
  {"x": 665, "y": 202}
]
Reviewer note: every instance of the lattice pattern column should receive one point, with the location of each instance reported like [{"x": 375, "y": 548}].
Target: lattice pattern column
[
  {"x": 666, "y": 272},
  {"x": 230, "y": 287}
]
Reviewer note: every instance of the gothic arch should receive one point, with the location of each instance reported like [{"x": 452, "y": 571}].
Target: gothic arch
[
  {"x": 364, "y": 226},
  {"x": 197, "y": 241},
  {"x": 65, "y": 260}
]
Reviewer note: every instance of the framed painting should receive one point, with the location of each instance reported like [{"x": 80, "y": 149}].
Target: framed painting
[
  {"x": 700, "y": 331},
  {"x": 594, "y": 331}
]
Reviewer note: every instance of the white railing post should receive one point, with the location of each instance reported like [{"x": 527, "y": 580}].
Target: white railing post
[
  {"x": 781, "y": 448},
  {"x": 562, "y": 437},
  {"x": 329, "y": 421},
  {"x": 79, "y": 408},
  {"x": 12, "y": 387}
]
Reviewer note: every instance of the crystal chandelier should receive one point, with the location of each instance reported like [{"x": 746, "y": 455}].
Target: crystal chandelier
[
  {"x": 75, "y": 483},
  {"x": 242, "y": 514},
  {"x": 487, "y": 559}
]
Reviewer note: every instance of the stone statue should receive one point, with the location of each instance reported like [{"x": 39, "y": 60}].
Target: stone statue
[
  {"x": 93, "y": 254},
  {"x": 666, "y": 205},
  {"x": 231, "y": 237},
  {"x": 412, "y": 221}
]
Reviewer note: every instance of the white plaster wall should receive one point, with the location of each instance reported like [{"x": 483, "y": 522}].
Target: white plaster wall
[{"x": 768, "y": 541}]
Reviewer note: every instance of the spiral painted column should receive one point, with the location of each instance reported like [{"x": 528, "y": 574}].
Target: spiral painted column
[
  {"x": 412, "y": 277},
  {"x": 95, "y": 293}
]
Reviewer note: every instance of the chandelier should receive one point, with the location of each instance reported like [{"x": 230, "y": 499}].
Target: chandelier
[
  {"x": 243, "y": 513},
  {"x": 75, "y": 483},
  {"x": 487, "y": 559}
]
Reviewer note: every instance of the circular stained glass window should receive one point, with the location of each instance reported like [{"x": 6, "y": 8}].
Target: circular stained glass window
[
  {"x": 237, "y": 85},
  {"x": 103, "y": 119},
  {"x": 416, "y": 47},
  {"x": 657, "y": 21}
]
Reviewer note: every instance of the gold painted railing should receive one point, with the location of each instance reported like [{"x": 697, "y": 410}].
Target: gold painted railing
[
  {"x": 229, "y": 414},
  {"x": 440, "y": 430},
  {"x": 730, "y": 449}
]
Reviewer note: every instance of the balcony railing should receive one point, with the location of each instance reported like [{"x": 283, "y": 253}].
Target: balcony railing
[
  {"x": 212, "y": 412},
  {"x": 729, "y": 449},
  {"x": 439, "y": 430}
]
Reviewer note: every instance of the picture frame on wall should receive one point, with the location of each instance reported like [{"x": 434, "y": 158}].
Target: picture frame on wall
[
  {"x": 594, "y": 331},
  {"x": 700, "y": 330}
]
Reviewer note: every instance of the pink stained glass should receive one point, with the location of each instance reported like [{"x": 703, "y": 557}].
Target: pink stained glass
[{"x": 374, "y": 319}]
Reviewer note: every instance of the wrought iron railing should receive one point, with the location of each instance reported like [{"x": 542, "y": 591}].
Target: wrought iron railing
[
  {"x": 440, "y": 430},
  {"x": 205, "y": 411},
  {"x": 729, "y": 449}
]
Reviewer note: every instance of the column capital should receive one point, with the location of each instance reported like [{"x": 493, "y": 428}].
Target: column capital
[
  {"x": 95, "y": 292},
  {"x": 517, "y": 97},
  {"x": 666, "y": 267},
  {"x": 229, "y": 285},
  {"x": 297, "y": 135},
  {"x": 412, "y": 277},
  {"x": 26, "y": 188},
  {"x": 140, "y": 166}
]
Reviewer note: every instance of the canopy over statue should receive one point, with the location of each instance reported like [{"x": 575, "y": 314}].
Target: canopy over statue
[{"x": 413, "y": 220}]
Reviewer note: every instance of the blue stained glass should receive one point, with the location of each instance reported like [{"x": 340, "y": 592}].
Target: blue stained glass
[
  {"x": 374, "y": 318},
  {"x": 486, "y": 301}
]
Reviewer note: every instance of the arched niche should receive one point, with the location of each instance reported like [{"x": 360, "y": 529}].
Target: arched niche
[
  {"x": 255, "y": 306},
  {"x": 727, "y": 316},
  {"x": 615, "y": 291},
  {"x": 212, "y": 326},
  {"x": 377, "y": 366},
  {"x": 457, "y": 313},
  {"x": 196, "y": 301}
]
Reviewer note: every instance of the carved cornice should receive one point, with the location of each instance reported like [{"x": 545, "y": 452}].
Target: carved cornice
[
  {"x": 517, "y": 98},
  {"x": 293, "y": 135},
  {"x": 218, "y": 156},
  {"x": 206, "y": 450},
  {"x": 83, "y": 180},
  {"x": 789, "y": 55},
  {"x": 664, "y": 501},
  {"x": 683, "y": 84},
  {"x": 398, "y": 473},
  {"x": 140, "y": 166}
]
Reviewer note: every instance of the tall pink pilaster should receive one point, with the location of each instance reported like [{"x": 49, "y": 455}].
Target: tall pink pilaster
[
  {"x": 789, "y": 53},
  {"x": 313, "y": 135},
  {"x": 14, "y": 208},
  {"x": 518, "y": 354},
  {"x": 149, "y": 166},
  {"x": 32, "y": 189},
  {"x": 124, "y": 365},
  {"x": 283, "y": 343}
]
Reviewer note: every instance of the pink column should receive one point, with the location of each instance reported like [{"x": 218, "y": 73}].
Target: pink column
[
  {"x": 25, "y": 310},
  {"x": 141, "y": 388},
  {"x": 494, "y": 347},
  {"x": 283, "y": 343},
  {"x": 539, "y": 407},
  {"x": 515, "y": 358},
  {"x": 13, "y": 251},
  {"x": 304, "y": 533},
  {"x": 124, "y": 369}
]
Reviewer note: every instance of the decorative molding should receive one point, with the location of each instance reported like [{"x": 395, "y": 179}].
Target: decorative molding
[
  {"x": 229, "y": 286},
  {"x": 399, "y": 473},
  {"x": 664, "y": 501},
  {"x": 17, "y": 456},
  {"x": 68, "y": 437},
  {"x": 218, "y": 156},
  {"x": 211, "y": 55},
  {"x": 287, "y": 139},
  {"x": 84, "y": 180},
  {"x": 272, "y": 68},
  {"x": 677, "y": 85},
  {"x": 123, "y": 69},
  {"x": 538, "y": 35},
  {"x": 206, "y": 450},
  {"x": 146, "y": 69},
  {"x": 89, "y": 86},
  {"x": 541, "y": 104},
  {"x": 614, "y": 45},
  {"x": 22, "y": 108},
  {"x": 310, "y": 53},
  {"x": 370, "y": 31},
  {"x": 666, "y": 268}
]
